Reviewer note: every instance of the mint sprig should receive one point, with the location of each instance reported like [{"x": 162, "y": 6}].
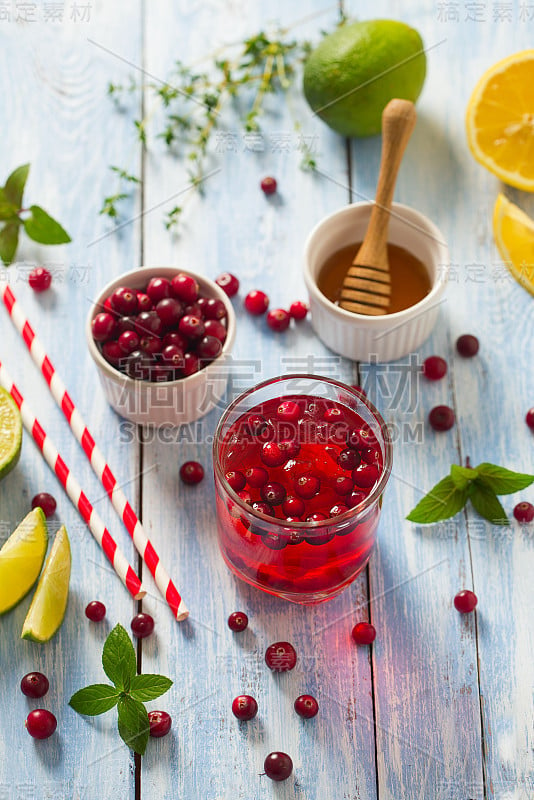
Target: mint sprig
[
  {"x": 128, "y": 692},
  {"x": 480, "y": 485},
  {"x": 37, "y": 223}
]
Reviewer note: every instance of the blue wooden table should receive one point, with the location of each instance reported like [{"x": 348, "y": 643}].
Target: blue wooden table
[{"x": 441, "y": 706}]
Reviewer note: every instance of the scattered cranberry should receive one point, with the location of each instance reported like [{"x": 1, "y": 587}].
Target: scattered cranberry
[
  {"x": 278, "y": 766},
  {"x": 191, "y": 472},
  {"x": 434, "y": 368},
  {"x": 244, "y": 707},
  {"x": 95, "y": 611},
  {"x": 529, "y": 419},
  {"x": 41, "y": 723},
  {"x": 228, "y": 283},
  {"x": 46, "y": 502},
  {"x": 306, "y": 706},
  {"x": 524, "y": 512},
  {"x": 278, "y": 320},
  {"x": 307, "y": 486},
  {"x": 185, "y": 287},
  {"x": 256, "y": 477},
  {"x": 236, "y": 480},
  {"x": 465, "y": 601},
  {"x": 40, "y": 279},
  {"x": 237, "y": 621},
  {"x": 441, "y": 418},
  {"x": 124, "y": 301},
  {"x": 160, "y": 723},
  {"x": 142, "y": 625},
  {"x": 363, "y": 633},
  {"x": 280, "y": 656},
  {"x": 256, "y": 302},
  {"x": 103, "y": 326},
  {"x": 298, "y": 310},
  {"x": 34, "y": 684},
  {"x": 467, "y": 345},
  {"x": 268, "y": 185}
]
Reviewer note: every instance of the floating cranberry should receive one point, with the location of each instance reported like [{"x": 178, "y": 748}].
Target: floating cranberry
[
  {"x": 40, "y": 279},
  {"x": 278, "y": 766},
  {"x": 142, "y": 625},
  {"x": 236, "y": 480},
  {"x": 307, "y": 486},
  {"x": 316, "y": 516},
  {"x": 272, "y": 455},
  {"x": 244, "y": 707},
  {"x": 158, "y": 289},
  {"x": 46, "y": 502},
  {"x": 103, "y": 327},
  {"x": 34, "y": 685},
  {"x": 256, "y": 302},
  {"x": 465, "y": 601},
  {"x": 263, "y": 507},
  {"x": 281, "y": 657},
  {"x": 237, "y": 621},
  {"x": 306, "y": 706},
  {"x": 293, "y": 507},
  {"x": 191, "y": 472},
  {"x": 366, "y": 475},
  {"x": 274, "y": 541},
  {"x": 268, "y": 185},
  {"x": 529, "y": 418},
  {"x": 370, "y": 455},
  {"x": 524, "y": 512},
  {"x": 41, "y": 723},
  {"x": 124, "y": 301},
  {"x": 355, "y": 498},
  {"x": 434, "y": 368},
  {"x": 349, "y": 459},
  {"x": 298, "y": 310},
  {"x": 333, "y": 415},
  {"x": 228, "y": 283},
  {"x": 278, "y": 320},
  {"x": 290, "y": 447},
  {"x": 256, "y": 477},
  {"x": 441, "y": 418},
  {"x": 185, "y": 287},
  {"x": 160, "y": 723},
  {"x": 467, "y": 345},
  {"x": 337, "y": 509},
  {"x": 273, "y": 493},
  {"x": 288, "y": 411},
  {"x": 95, "y": 611},
  {"x": 343, "y": 485},
  {"x": 364, "y": 633}
]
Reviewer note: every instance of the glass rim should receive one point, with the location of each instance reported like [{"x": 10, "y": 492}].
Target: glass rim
[{"x": 316, "y": 525}]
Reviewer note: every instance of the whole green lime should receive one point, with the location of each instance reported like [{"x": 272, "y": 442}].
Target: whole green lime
[{"x": 354, "y": 72}]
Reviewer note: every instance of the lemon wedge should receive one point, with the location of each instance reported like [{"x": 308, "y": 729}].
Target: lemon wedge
[
  {"x": 10, "y": 433},
  {"x": 514, "y": 236},
  {"x": 21, "y": 559},
  {"x": 49, "y": 602}
]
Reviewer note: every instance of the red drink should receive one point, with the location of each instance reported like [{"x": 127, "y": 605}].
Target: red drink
[{"x": 298, "y": 482}]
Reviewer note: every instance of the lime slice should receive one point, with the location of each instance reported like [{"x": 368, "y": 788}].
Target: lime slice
[
  {"x": 10, "y": 433},
  {"x": 50, "y": 599},
  {"x": 21, "y": 559}
]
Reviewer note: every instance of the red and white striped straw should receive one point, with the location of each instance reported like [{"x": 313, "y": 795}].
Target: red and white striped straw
[
  {"x": 74, "y": 490},
  {"x": 120, "y": 503}
]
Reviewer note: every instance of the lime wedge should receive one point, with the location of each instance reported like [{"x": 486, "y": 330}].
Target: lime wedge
[
  {"x": 50, "y": 599},
  {"x": 21, "y": 559},
  {"x": 10, "y": 433}
]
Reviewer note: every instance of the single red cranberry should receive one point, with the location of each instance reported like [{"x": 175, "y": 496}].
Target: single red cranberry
[
  {"x": 316, "y": 516},
  {"x": 46, "y": 502},
  {"x": 256, "y": 477},
  {"x": 365, "y": 476},
  {"x": 40, "y": 279},
  {"x": 268, "y": 185},
  {"x": 294, "y": 537},
  {"x": 194, "y": 309},
  {"x": 214, "y": 327},
  {"x": 236, "y": 479},
  {"x": 144, "y": 303},
  {"x": 139, "y": 365},
  {"x": 290, "y": 447},
  {"x": 434, "y": 368},
  {"x": 103, "y": 327},
  {"x": 441, "y": 418},
  {"x": 160, "y": 723},
  {"x": 124, "y": 301},
  {"x": 95, "y": 611},
  {"x": 293, "y": 507},
  {"x": 209, "y": 348},
  {"x": 214, "y": 308},
  {"x": 343, "y": 485},
  {"x": 465, "y": 601},
  {"x": 333, "y": 415},
  {"x": 355, "y": 498},
  {"x": 174, "y": 337},
  {"x": 228, "y": 283},
  {"x": 307, "y": 486},
  {"x": 113, "y": 354},
  {"x": 237, "y": 621},
  {"x": 524, "y": 512},
  {"x": 529, "y": 419},
  {"x": 172, "y": 356},
  {"x": 278, "y": 320},
  {"x": 337, "y": 509},
  {"x": 148, "y": 323},
  {"x": 191, "y": 326},
  {"x": 244, "y": 707},
  {"x": 256, "y": 302},
  {"x": 124, "y": 324},
  {"x": 245, "y": 497},
  {"x": 298, "y": 310},
  {"x": 274, "y": 541},
  {"x": 169, "y": 310},
  {"x": 150, "y": 344},
  {"x": 185, "y": 287},
  {"x": 306, "y": 706},
  {"x": 318, "y": 539},
  {"x": 34, "y": 685},
  {"x": 41, "y": 723},
  {"x": 128, "y": 342},
  {"x": 158, "y": 289},
  {"x": 272, "y": 455},
  {"x": 142, "y": 625},
  {"x": 360, "y": 438},
  {"x": 363, "y": 633},
  {"x": 349, "y": 459},
  {"x": 467, "y": 345},
  {"x": 278, "y": 766},
  {"x": 289, "y": 411},
  {"x": 370, "y": 455},
  {"x": 255, "y": 425},
  {"x": 191, "y": 364},
  {"x": 281, "y": 656},
  {"x": 263, "y": 507},
  {"x": 191, "y": 472},
  {"x": 273, "y": 493}
]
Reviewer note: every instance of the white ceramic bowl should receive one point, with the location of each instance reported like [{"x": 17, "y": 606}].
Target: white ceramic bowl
[
  {"x": 169, "y": 402},
  {"x": 367, "y": 338}
]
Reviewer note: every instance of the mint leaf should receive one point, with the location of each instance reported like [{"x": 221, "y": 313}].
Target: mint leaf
[
  {"x": 9, "y": 239},
  {"x": 95, "y": 699},
  {"x": 42, "y": 228},
  {"x": 133, "y": 723},
  {"x": 444, "y": 500},
  {"x": 503, "y": 481},
  {"x": 7, "y": 209},
  {"x": 14, "y": 188},
  {"x": 487, "y": 503},
  {"x": 148, "y": 687},
  {"x": 462, "y": 476},
  {"x": 119, "y": 659}
]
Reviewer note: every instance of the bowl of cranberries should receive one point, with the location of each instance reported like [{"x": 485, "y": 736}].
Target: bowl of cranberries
[{"x": 160, "y": 338}]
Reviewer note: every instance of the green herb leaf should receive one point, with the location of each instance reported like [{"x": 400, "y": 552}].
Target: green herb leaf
[
  {"x": 42, "y": 228},
  {"x": 503, "y": 481},
  {"x": 119, "y": 659},
  {"x": 95, "y": 699},
  {"x": 14, "y": 188},
  {"x": 444, "y": 500},
  {"x": 148, "y": 687},
  {"x": 133, "y": 723},
  {"x": 487, "y": 503},
  {"x": 7, "y": 210},
  {"x": 462, "y": 476},
  {"x": 9, "y": 239}
]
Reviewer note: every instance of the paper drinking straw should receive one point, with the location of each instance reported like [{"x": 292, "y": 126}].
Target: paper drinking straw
[
  {"x": 59, "y": 392},
  {"x": 74, "y": 490}
]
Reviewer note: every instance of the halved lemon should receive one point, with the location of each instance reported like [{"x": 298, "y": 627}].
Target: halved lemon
[
  {"x": 500, "y": 120},
  {"x": 514, "y": 236},
  {"x": 21, "y": 559},
  {"x": 10, "y": 433},
  {"x": 50, "y": 599}
]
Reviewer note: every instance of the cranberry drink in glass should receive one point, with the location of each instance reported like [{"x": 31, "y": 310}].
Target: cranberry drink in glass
[{"x": 301, "y": 463}]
